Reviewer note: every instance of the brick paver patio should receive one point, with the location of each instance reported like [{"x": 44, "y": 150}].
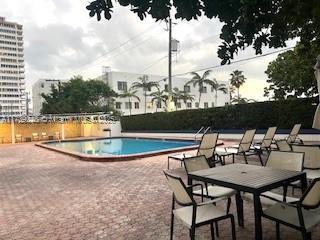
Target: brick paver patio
[{"x": 47, "y": 195}]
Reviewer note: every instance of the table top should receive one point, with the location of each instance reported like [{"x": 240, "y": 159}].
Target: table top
[{"x": 249, "y": 178}]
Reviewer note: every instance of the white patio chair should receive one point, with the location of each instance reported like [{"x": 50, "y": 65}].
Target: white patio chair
[
  {"x": 267, "y": 140},
  {"x": 206, "y": 147},
  {"x": 304, "y": 215},
  {"x": 197, "y": 163},
  {"x": 193, "y": 214},
  {"x": 35, "y": 136},
  {"x": 280, "y": 160},
  {"x": 293, "y": 135},
  {"x": 311, "y": 164},
  {"x": 243, "y": 148},
  {"x": 283, "y": 145}
]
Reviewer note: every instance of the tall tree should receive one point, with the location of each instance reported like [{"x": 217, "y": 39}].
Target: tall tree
[
  {"x": 291, "y": 73},
  {"x": 245, "y": 23},
  {"x": 77, "y": 96},
  {"x": 185, "y": 97},
  {"x": 218, "y": 87},
  {"x": 237, "y": 80},
  {"x": 145, "y": 85},
  {"x": 130, "y": 93},
  {"x": 200, "y": 81},
  {"x": 158, "y": 97}
]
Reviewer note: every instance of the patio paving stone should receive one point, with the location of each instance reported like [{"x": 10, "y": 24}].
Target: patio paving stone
[{"x": 48, "y": 195}]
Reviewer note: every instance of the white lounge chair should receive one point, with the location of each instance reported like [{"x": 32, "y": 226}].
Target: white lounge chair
[
  {"x": 243, "y": 148},
  {"x": 206, "y": 147}
]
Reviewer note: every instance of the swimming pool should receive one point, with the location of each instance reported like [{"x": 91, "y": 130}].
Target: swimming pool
[{"x": 119, "y": 148}]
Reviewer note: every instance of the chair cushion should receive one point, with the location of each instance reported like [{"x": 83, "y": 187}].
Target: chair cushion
[
  {"x": 289, "y": 214},
  {"x": 266, "y": 202},
  {"x": 216, "y": 191},
  {"x": 180, "y": 156},
  {"x": 204, "y": 213},
  {"x": 312, "y": 174}
]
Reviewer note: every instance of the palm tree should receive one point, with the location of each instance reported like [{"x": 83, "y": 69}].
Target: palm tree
[
  {"x": 200, "y": 81},
  {"x": 145, "y": 85},
  {"x": 185, "y": 96},
  {"x": 243, "y": 100},
  {"x": 237, "y": 80},
  {"x": 130, "y": 93},
  {"x": 158, "y": 97},
  {"x": 218, "y": 87}
]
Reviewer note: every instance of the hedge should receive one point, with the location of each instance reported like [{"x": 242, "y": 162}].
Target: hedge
[{"x": 259, "y": 115}]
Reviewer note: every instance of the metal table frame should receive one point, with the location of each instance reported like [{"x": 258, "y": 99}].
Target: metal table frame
[{"x": 229, "y": 175}]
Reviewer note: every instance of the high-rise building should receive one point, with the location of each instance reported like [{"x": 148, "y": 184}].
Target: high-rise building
[{"x": 12, "y": 78}]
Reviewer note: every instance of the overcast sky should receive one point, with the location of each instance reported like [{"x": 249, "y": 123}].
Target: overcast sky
[{"x": 61, "y": 40}]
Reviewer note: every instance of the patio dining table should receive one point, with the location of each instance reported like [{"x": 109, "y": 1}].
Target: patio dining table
[{"x": 251, "y": 179}]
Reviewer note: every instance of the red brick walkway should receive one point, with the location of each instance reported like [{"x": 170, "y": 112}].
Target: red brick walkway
[{"x": 46, "y": 195}]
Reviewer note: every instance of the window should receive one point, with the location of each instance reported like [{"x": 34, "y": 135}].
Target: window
[
  {"x": 178, "y": 105},
  {"x": 118, "y": 105},
  {"x": 122, "y": 86},
  {"x": 42, "y": 85},
  {"x": 166, "y": 87},
  {"x": 189, "y": 105},
  {"x": 204, "y": 90},
  {"x": 136, "y": 105},
  {"x": 158, "y": 104},
  {"x": 206, "y": 105},
  {"x": 212, "y": 104},
  {"x": 197, "y": 105},
  {"x": 127, "y": 105},
  {"x": 187, "y": 88},
  {"x": 212, "y": 89}
]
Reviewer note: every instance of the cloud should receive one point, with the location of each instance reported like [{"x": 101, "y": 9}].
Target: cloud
[{"x": 61, "y": 40}]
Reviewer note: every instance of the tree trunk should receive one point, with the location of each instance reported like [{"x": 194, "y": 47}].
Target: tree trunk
[
  {"x": 238, "y": 94},
  {"x": 145, "y": 102},
  {"x": 216, "y": 99},
  {"x": 130, "y": 106},
  {"x": 199, "y": 99}
]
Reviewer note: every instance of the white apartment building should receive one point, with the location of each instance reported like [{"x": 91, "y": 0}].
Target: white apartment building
[
  {"x": 12, "y": 78},
  {"x": 42, "y": 86},
  {"x": 121, "y": 81}
]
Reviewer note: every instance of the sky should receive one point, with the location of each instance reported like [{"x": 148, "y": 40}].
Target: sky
[{"x": 62, "y": 41}]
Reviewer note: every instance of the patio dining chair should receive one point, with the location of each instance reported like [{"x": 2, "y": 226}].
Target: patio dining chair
[
  {"x": 191, "y": 213},
  {"x": 303, "y": 215},
  {"x": 197, "y": 163},
  {"x": 206, "y": 147},
  {"x": 243, "y": 148},
  {"x": 280, "y": 160},
  {"x": 311, "y": 164},
  {"x": 293, "y": 135},
  {"x": 267, "y": 140}
]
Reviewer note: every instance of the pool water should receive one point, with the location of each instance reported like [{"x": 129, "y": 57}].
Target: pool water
[{"x": 120, "y": 146}]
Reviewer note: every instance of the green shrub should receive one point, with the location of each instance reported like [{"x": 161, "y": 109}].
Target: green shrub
[{"x": 260, "y": 115}]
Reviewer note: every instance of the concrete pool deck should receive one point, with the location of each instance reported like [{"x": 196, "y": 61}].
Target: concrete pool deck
[{"x": 48, "y": 195}]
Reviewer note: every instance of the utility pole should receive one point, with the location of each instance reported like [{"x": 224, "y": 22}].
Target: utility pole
[{"x": 170, "y": 59}]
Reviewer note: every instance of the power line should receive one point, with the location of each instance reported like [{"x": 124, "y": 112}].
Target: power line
[
  {"x": 237, "y": 61},
  {"x": 148, "y": 67},
  {"x": 118, "y": 47}
]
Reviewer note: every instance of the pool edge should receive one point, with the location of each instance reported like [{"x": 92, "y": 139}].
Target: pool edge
[{"x": 114, "y": 158}]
